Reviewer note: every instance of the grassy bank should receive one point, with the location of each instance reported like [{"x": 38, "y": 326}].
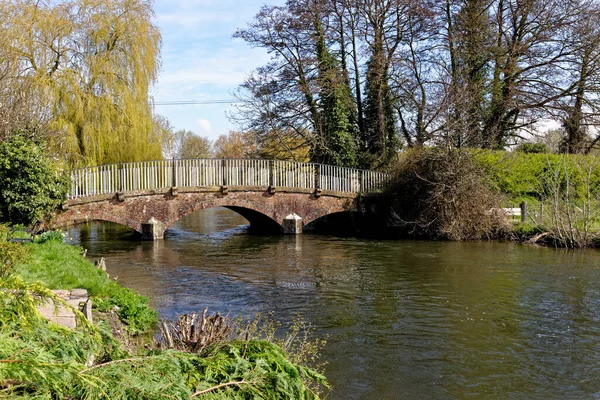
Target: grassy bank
[
  {"x": 562, "y": 193},
  {"x": 437, "y": 193},
  {"x": 59, "y": 266},
  {"x": 42, "y": 360}
]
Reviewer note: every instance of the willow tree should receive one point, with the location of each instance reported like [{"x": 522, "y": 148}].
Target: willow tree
[{"x": 92, "y": 62}]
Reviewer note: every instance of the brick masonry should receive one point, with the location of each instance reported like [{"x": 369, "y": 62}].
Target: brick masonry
[{"x": 168, "y": 206}]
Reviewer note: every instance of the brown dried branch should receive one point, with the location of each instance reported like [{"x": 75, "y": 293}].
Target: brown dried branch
[
  {"x": 219, "y": 386},
  {"x": 193, "y": 332}
]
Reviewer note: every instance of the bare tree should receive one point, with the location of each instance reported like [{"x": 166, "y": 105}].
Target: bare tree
[
  {"x": 282, "y": 94},
  {"x": 527, "y": 61},
  {"x": 578, "y": 109}
]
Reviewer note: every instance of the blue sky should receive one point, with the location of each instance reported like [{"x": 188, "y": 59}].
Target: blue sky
[{"x": 200, "y": 60}]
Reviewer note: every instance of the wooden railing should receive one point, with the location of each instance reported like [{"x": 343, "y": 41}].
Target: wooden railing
[{"x": 148, "y": 175}]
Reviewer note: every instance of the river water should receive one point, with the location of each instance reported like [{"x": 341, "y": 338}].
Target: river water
[{"x": 403, "y": 319}]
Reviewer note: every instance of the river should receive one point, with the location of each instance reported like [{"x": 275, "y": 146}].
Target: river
[{"x": 402, "y": 319}]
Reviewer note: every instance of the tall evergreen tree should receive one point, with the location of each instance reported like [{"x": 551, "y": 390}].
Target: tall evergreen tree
[
  {"x": 337, "y": 144},
  {"x": 380, "y": 137},
  {"x": 471, "y": 55}
]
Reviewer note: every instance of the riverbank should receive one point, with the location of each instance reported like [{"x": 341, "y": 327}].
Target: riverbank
[
  {"x": 459, "y": 194},
  {"x": 44, "y": 360}
]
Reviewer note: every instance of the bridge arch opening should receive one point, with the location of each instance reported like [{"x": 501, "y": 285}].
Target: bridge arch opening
[
  {"x": 93, "y": 232},
  {"x": 210, "y": 221},
  {"x": 107, "y": 221},
  {"x": 344, "y": 223},
  {"x": 259, "y": 223}
]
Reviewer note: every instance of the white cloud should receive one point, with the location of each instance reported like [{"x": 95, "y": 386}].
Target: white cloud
[
  {"x": 192, "y": 20},
  {"x": 204, "y": 128}
]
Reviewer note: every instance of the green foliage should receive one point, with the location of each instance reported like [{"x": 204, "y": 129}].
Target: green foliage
[
  {"x": 338, "y": 145},
  {"x": 30, "y": 184},
  {"x": 562, "y": 189},
  {"x": 532, "y": 148},
  {"x": 60, "y": 266},
  {"x": 297, "y": 343},
  {"x": 20, "y": 231},
  {"x": 380, "y": 137},
  {"x": 5, "y": 233},
  {"x": 93, "y": 91},
  {"x": 42, "y": 360},
  {"x": 526, "y": 230},
  {"x": 50, "y": 236},
  {"x": 523, "y": 176},
  {"x": 10, "y": 253},
  {"x": 468, "y": 46},
  {"x": 263, "y": 366},
  {"x": 132, "y": 308}
]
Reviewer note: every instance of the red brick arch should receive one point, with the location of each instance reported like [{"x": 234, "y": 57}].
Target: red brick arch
[{"x": 137, "y": 208}]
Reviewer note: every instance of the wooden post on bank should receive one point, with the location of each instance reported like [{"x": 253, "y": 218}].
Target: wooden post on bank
[{"x": 523, "y": 211}]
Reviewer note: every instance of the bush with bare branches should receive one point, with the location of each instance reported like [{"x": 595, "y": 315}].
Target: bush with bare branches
[
  {"x": 439, "y": 193},
  {"x": 571, "y": 201},
  {"x": 194, "y": 332}
]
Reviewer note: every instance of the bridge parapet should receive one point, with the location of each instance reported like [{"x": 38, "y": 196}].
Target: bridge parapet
[{"x": 155, "y": 175}]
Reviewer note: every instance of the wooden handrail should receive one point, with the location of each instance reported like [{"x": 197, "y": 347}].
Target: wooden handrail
[{"x": 160, "y": 174}]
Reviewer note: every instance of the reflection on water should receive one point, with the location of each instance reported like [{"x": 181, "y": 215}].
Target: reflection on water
[{"x": 403, "y": 319}]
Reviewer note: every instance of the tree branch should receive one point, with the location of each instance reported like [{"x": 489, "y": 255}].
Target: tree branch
[{"x": 222, "y": 385}]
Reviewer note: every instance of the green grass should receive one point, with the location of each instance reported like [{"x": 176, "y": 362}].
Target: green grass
[
  {"x": 20, "y": 232},
  {"x": 61, "y": 266}
]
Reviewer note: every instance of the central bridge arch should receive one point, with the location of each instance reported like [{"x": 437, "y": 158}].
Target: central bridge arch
[{"x": 253, "y": 206}]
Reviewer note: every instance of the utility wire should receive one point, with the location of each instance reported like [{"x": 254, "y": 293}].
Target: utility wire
[{"x": 193, "y": 102}]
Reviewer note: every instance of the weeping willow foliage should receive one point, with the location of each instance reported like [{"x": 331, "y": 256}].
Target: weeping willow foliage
[{"x": 90, "y": 65}]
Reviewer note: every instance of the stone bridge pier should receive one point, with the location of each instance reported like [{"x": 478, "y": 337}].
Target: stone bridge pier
[{"x": 152, "y": 212}]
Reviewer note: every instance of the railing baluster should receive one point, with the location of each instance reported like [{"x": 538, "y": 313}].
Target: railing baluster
[{"x": 151, "y": 175}]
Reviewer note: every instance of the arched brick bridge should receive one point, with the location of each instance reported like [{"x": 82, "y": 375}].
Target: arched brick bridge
[{"x": 276, "y": 196}]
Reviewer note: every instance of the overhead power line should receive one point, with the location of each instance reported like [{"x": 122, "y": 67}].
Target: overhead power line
[{"x": 193, "y": 102}]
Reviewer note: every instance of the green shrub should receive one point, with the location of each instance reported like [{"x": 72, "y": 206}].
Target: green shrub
[
  {"x": 518, "y": 175},
  {"x": 30, "y": 184},
  {"x": 524, "y": 176},
  {"x": 525, "y": 230},
  {"x": 50, "y": 236},
  {"x": 131, "y": 307},
  {"x": 532, "y": 148},
  {"x": 10, "y": 253}
]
